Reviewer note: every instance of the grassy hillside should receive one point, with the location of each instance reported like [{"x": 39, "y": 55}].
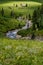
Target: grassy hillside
[
  {"x": 18, "y": 11},
  {"x": 21, "y": 52},
  {"x": 21, "y": 0},
  {"x": 8, "y": 7}
]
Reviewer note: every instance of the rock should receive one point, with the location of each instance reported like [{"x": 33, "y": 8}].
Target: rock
[
  {"x": 18, "y": 36},
  {"x": 19, "y": 19},
  {"x": 26, "y": 38},
  {"x": 23, "y": 5},
  {"x": 39, "y": 38}
]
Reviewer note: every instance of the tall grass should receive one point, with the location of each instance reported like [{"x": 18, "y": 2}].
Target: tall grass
[{"x": 21, "y": 52}]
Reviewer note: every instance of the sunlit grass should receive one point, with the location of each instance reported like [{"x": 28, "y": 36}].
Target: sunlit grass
[
  {"x": 20, "y": 2},
  {"x": 22, "y": 52},
  {"x": 19, "y": 10}
]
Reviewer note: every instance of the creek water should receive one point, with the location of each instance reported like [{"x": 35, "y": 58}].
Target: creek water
[{"x": 13, "y": 33}]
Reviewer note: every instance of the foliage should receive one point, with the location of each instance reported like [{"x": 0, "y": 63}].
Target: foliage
[
  {"x": 2, "y": 12},
  {"x": 12, "y": 14},
  {"x": 9, "y": 24},
  {"x": 30, "y": 32},
  {"x": 21, "y": 52},
  {"x": 24, "y": 33},
  {"x": 29, "y": 17},
  {"x": 37, "y": 18},
  {"x": 34, "y": 19},
  {"x": 41, "y": 16}
]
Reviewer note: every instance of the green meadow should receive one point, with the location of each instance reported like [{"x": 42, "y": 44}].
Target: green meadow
[
  {"x": 21, "y": 52},
  {"x": 11, "y": 6},
  {"x": 13, "y": 51}
]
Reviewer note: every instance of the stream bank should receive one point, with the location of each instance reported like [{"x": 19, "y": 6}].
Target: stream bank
[{"x": 13, "y": 34}]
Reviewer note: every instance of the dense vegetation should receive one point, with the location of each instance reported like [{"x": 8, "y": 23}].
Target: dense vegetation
[
  {"x": 37, "y": 20},
  {"x": 21, "y": 52},
  {"x": 29, "y": 32},
  {"x": 9, "y": 14},
  {"x": 25, "y": 33},
  {"x": 9, "y": 24}
]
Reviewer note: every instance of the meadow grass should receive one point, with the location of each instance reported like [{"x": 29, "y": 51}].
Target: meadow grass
[
  {"x": 21, "y": 52},
  {"x": 1, "y": 1},
  {"x": 31, "y": 3},
  {"x": 22, "y": 10}
]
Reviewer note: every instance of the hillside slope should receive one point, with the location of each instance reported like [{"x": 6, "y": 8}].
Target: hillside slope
[{"x": 21, "y": 0}]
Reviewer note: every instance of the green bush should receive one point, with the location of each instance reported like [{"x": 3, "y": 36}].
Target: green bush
[
  {"x": 24, "y": 33},
  {"x": 39, "y": 33},
  {"x": 10, "y": 24}
]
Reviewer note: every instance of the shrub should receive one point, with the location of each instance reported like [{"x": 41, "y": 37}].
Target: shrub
[
  {"x": 26, "y": 32},
  {"x": 9, "y": 24}
]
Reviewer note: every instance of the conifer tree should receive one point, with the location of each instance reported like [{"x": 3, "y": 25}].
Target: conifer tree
[
  {"x": 12, "y": 14},
  {"x": 34, "y": 19},
  {"x": 2, "y": 12},
  {"x": 29, "y": 17}
]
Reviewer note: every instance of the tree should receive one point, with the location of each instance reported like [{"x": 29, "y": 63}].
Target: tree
[
  {"x": 33, "y": 36},
  {"x": 41, "y": 9},
  {"x": 29, "y": 17},
  {"x": 26, "y": 5},
  {"x": 41, "y": 17},
  {"x": 16, "y": 5},
  {"x": 12, "y": 14},
  {"x": 19, "y": 25},
  {"x": 35, "y": 20},
  {"x": 2, "y": 12}
]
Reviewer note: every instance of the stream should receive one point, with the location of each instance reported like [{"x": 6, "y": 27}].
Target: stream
[{"x": 13, "y": 34}]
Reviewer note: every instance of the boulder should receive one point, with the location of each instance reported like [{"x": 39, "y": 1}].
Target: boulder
[{"x": 18, "y": 36}]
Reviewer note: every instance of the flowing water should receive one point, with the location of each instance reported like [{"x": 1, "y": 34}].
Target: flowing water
[{"x": 13, "y": 33}]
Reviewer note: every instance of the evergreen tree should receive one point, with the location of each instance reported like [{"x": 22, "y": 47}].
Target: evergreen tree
[
  {"x": 19, "y": 25},
  {"x": 16, "y": 5},
  {"x": 2, "y": 12},
  {"x": 41, "y": 9},
  {"x": 12, "y": 14},
  {"x": 41, "y": 16},
  {"x": 34, "y": 19},
  {"x": 29, "y": 17},
  {"x": 33, "y": 36},
  {"x": 37, "y": 18},
  {"x": 26, "y": 5}
]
